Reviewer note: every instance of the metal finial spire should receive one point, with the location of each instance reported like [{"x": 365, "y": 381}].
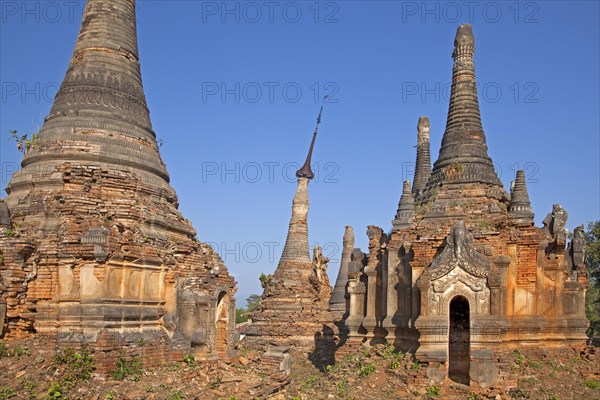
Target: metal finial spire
[{"x": 306, "y": 171}]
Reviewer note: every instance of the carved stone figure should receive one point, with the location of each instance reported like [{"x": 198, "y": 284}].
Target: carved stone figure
[
  {"x": 319, "y": 263},
  {"x": 357, "y": 262},
  {"x": 579, "y": 244},
  {"x": 555, "y": 222}
]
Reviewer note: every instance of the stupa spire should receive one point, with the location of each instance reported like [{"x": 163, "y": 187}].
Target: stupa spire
[
  {"x": 306, "y": 170},
  {"x": 463, "y": 155},
  {"x": 100, "y": 112},
  {"x": 296, "y": 245},
  {"x": 520, "y": 207},
  {"x": 406, "y": 209},
  {"x": 294, "y": 305},
  {"x": 337, "y": 303},
  {"x": 105, "y": 59},
  {"x": 423, "y": 164}
]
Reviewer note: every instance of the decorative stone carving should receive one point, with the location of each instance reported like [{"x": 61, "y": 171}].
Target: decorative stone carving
[
  {"x": 575, "y": 253},
  {"x": 97, "y": 237},
  {"x": 554, "y": 223},
  {"x": 578, "y": 244},
  {"x": 357, "y": 263},
  {"x": 459, "y": 252},
  {"x": 377, "y": 242},
  {"x": 319, "y": 263}
]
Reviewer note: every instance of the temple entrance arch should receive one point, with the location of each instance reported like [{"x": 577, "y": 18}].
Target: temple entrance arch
[
  {"x": 459, "y": 340},
  {"x": 222, "y": 321}
]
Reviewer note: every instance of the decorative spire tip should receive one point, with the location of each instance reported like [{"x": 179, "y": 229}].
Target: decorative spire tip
[
  {"x": 464, "y": 35},
  {"x": 306, "y": 171},
  {"x": 423, "y": 123}
]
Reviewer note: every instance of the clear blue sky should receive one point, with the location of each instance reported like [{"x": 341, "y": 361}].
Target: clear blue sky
[{"x": 222, "y": 83}]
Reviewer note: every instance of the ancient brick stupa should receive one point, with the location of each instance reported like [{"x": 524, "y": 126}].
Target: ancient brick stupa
[
  {"x": 293, "y": 309},
  {"x": 465, "y": 276},
  {"x": 95, "y": 249}
]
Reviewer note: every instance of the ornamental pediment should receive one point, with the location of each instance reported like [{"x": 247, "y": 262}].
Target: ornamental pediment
[{"x": 459, "y": 252}]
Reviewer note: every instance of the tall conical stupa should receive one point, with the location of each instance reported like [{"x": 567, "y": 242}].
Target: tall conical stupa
[
  {"x": 294, "y": 305},
  {"x": 98, "y": 246},
  {"x": 463, "y": 182}
]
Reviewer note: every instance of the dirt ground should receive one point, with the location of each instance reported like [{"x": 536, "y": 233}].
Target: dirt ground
[{"x": 376, "y": 373}]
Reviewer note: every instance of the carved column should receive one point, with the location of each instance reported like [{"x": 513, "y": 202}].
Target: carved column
[
  {"x": 416, "y": 306},
  {"x": 370, "y": 320},
  {"x": 371, "y": 271},
  {"x": 356, "y": 292},
  {"x": 393, "y": 289},
  {"x": 498, "y": 286}
]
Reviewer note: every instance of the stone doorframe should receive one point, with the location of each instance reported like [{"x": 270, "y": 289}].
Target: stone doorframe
[{"x": 458, "y": 270}]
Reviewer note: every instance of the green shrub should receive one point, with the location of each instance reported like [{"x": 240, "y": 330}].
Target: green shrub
[
  {"x": 592, "y": 383},
  {"x": 520, "y": 357},
  {"x": 188, "y": 359},
  {"x": 78, "y": 366},
  {"x": 55, "y": 392},
  {"x": 311, "y": 381},
  {"x": 416, "y": 365},
  {"x": 3, "y": 350},
  {"x": 367, "y": 369},
  {"x": 433, "y": 391},
  {"x": 177, "y": 395},
  {"x": 20, "y": 351},
  {"x": 126, "y": 368},
  {"x": 7, "y": 393},
  {"x": 474, "y": 396}
]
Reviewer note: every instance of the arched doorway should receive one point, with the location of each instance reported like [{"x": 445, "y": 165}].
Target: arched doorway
[
  {"x": 222, "y": 320},
  {"x": 459, "y": 341}
]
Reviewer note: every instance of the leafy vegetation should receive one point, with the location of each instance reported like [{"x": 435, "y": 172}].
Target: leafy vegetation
[
  {"x": 433, "y": 391},
  {"x": 265, "y": 279},
  {"x": 20, "y": 351},
  {"x": 520, "y": 357},
  {"x": 75, "y": 366},
  {"x": 55, "y": 392},
  {"x": 252, "y": 303},
  {"x": 367, "y": 369},
  {"x": 127, "y": 368},
  {"x": 593, "y": 384},
  {"x": 7, "y": 393},
  {"x": 24, "y": 142},
  {"x": 592, "y": 258}
]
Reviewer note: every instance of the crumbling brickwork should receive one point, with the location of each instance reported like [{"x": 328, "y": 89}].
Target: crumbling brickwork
[{"x": 95, "y": 249}]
